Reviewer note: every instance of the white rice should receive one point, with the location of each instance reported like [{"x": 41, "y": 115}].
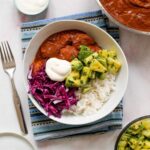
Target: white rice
[{"x": 92, "y": 101}]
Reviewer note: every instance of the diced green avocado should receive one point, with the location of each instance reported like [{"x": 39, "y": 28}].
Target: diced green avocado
[
  {"x": 102, "y": 76},
  {"x": 77, "y": 83},
  {"x": 85, "y": 75},
  {"x": 135, "y": 128},
  {"x": 146, "y": 123},
  {"x": 112, "y": 53},
  {"x": 113, "y": 65},
  {"x": 71, "y": 82},
  {"x": 122, "y": 144},
  {"x": 97, "y": 74},
  {"x": 146, "y": 144},
  {"x": 92, "y": 75},
  {"x": 97, "y": 66},
  {"x": 139, "y": 145},
  {"x": 84, "y": 52},
  {"x": 75, "y": 74},
  {"x": 125, "y": 137},
  {"x": 111, "y": 69},
  {"x": 108, "y": 53},
  {"x": 89, "y": 59},
  {"x": 103, "y": 53},
  {"x": 117, "y": 65},
  {"x": 76, "y": 64},
  {"x": 103, "y": 61},
  {"x": 133, "y": 142},
  {"x": 146, "y": 133},
  {"x": 110, "y": 61}
]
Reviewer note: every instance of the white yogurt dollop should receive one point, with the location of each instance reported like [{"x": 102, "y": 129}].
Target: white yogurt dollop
[
  {"x": 31, "y": 7},
  {"x": 57, "y": 69}
]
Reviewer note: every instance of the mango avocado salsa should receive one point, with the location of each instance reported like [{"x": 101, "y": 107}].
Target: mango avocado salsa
[
  {"x": 90, "y": 65},
  {"x": 136, "y": 136}
]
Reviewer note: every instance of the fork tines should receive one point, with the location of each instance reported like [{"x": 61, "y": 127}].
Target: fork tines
[{"x": 6, "y": 54}]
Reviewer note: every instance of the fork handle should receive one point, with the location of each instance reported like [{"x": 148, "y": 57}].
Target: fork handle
[{"x": 18, "y": 108}]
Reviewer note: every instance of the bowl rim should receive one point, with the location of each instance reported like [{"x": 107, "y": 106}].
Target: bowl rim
[
  {"x": 120, "y": 24},
  {"x": 127, "y": 126},
  {"x": 83, "y": 22}
]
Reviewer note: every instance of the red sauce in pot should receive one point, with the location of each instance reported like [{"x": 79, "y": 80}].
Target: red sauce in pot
[
  {"x": 132, "y": 13},
  {"x": 64, "y": 45}
]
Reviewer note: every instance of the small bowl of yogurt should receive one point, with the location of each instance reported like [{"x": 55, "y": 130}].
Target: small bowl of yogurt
[{"x": 31, "y": 7}]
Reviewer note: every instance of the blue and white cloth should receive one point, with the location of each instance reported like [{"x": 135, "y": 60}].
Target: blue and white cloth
[{"x": 45, "y": 128}]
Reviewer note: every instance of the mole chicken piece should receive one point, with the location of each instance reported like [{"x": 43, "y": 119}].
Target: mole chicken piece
[
  {"x": 68, "y": 53},
  {"x": 82, "y": 39},
  {"x": 51, "y": 47}
]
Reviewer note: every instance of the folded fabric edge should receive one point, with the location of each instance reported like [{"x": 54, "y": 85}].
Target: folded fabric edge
[
  {"x": 74, "y": 16},
  {"x": 104, "y": 126},
  {"x": 101, "y": 128}
]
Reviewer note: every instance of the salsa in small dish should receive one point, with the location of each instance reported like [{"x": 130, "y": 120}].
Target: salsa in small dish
[{"x": 135, "y": 136}]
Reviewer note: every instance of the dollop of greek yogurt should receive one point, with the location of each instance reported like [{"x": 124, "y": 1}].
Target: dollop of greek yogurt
[
  {"x": 57, "y": 69},
  {"x": 31, "y": 6}
]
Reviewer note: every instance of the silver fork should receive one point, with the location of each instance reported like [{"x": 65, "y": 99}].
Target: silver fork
[{"x": 9, "y": 67}]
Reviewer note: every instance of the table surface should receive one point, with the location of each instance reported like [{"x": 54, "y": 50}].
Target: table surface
[{"x": 137, "y": 97}]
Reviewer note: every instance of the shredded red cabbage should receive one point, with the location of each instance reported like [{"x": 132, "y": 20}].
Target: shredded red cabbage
[{"x": 53, "y": 96}]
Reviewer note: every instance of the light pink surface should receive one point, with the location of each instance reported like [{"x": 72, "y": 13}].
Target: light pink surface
[{"x": 136, "y": 99}]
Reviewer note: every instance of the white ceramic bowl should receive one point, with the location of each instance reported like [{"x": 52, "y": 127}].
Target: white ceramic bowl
[
  {"x": 118, "y": 23},
  {"x": 105, "y": 41},
  {"x": 27, "y": 8}
]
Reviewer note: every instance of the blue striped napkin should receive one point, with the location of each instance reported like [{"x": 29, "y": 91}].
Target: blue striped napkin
[{"x": 45, "y": 128}]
